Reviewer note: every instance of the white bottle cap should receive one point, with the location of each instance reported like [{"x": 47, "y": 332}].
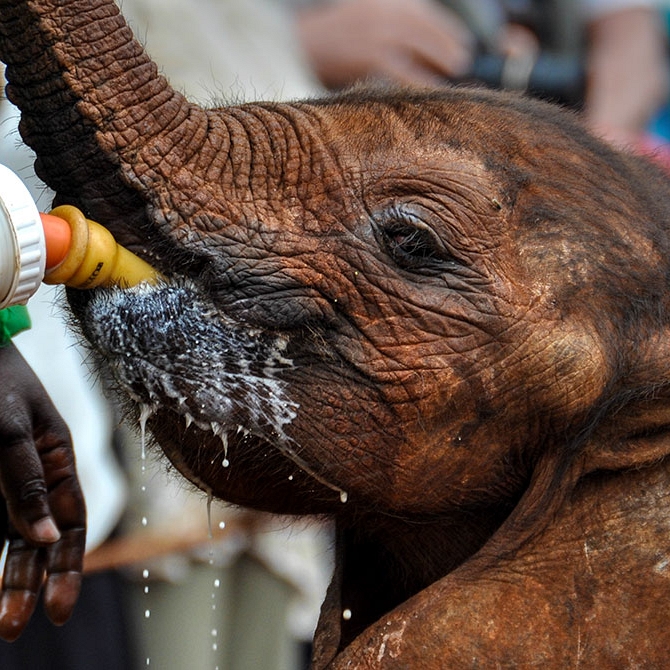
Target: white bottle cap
[{"x": 22, "y": 245}]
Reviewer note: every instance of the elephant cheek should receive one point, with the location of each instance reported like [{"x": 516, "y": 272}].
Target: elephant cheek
[
  {"x": 568, "y": 372},
  {"x": 348, "y": 435},
  {"x": 475, "y": 433}
]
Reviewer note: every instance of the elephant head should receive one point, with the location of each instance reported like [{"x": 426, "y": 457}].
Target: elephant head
[{"x": 440, "y": 317}]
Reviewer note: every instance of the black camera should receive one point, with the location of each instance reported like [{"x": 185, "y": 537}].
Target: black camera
[{"x": 553, "y": 77}]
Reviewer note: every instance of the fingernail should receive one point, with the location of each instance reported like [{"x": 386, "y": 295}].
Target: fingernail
[
  {"x": 45, "y": 530},
  {"x": 15, "y": 610}
]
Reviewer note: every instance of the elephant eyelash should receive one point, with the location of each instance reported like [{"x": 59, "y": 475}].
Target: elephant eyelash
[{"x": 412, "y": 245}]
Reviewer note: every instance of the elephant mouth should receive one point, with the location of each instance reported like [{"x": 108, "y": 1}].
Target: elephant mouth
[
  {"x": 168, "y": 348},
  {"x": 169, "y": 344},
  {"x": 211, "y": 388}
]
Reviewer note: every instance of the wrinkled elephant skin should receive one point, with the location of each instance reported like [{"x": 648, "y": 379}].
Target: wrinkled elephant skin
[{"x": 440, "y": 317}]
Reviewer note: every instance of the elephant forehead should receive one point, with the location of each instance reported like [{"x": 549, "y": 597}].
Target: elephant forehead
[
  {"x": 313, "y": 173},
  {"x": 389, "y": 152}
]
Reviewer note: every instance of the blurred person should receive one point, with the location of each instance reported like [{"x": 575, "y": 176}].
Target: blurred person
[
  {"x": 620, "y": 42},
  {"x": 400, "y": 41},
  {"x": 627, "y": 72}
]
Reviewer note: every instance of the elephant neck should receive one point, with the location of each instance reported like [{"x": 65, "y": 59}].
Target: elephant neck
[
  {"x": 603, "y": 551},
  {"x": 384, "y": 561}
]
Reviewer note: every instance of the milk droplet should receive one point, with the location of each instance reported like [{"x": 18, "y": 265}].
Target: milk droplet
[
  {"x": 217, "y": 583},
  {"x": 290, "y": 478},
  {"x": 222, "y": 525},
  {"x": 146, "y": 589},
  {"x": 145, "y": 521},
  {"x": 214, "y": 646},
  {"x": 225, "y": 462},
  {"x": 145, "y": 573},
  {"x": 344, "y": 496},
  {"x": 145, "y": 413},
  {"x": 214, "y": 632},
  {"x": 346, "y": 614},
  {"x": 210, "y": 497},
  {"x": 147, "y": 614}
]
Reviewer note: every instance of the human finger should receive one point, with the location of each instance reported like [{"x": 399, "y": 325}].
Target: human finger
[
  {"x": 64, "y": 574},
  {"x": 22, "y": 474},
  {"x": 22, "y": 580},
  {"x": 438, "y": 41},
  {"x": 66, "y": 503}
]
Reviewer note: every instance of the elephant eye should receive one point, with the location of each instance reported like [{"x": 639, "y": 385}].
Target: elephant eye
[{"x": 411, "y": 244}]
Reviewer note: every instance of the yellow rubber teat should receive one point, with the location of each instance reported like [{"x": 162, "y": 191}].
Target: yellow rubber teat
[{"x": 94, "y": 258}]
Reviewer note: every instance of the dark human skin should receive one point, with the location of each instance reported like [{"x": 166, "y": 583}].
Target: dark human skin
[
  {"x": 439, "y": 317},
  {"x": 43, "y": 517}
]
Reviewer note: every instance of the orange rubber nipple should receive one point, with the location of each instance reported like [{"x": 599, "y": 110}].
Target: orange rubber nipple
[
  {"x": 62, "y": 247},
  {"x": 58, "y": 237}
]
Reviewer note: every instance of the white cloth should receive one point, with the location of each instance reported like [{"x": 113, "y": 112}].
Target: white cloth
[{"x": 218, "y": 51}]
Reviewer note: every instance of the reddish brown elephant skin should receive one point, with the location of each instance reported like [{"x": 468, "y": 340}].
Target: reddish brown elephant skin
[{"x": 451, "y": 306}]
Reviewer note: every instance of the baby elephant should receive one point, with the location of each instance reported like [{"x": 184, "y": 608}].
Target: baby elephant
[{"x": 441, "y": 318}]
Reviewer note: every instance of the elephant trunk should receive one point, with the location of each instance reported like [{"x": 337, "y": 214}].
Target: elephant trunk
[{"x": 93, "y": 106}]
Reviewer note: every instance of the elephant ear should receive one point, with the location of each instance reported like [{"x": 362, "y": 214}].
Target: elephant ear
[
  {"x": 627, "y": 430},
  {"x": 634, "y": 429}
]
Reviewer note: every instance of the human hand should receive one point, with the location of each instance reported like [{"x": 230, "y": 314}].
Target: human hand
[
  {"x": 42, "y": 511},
  {"x": 405, "y": 41}
]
